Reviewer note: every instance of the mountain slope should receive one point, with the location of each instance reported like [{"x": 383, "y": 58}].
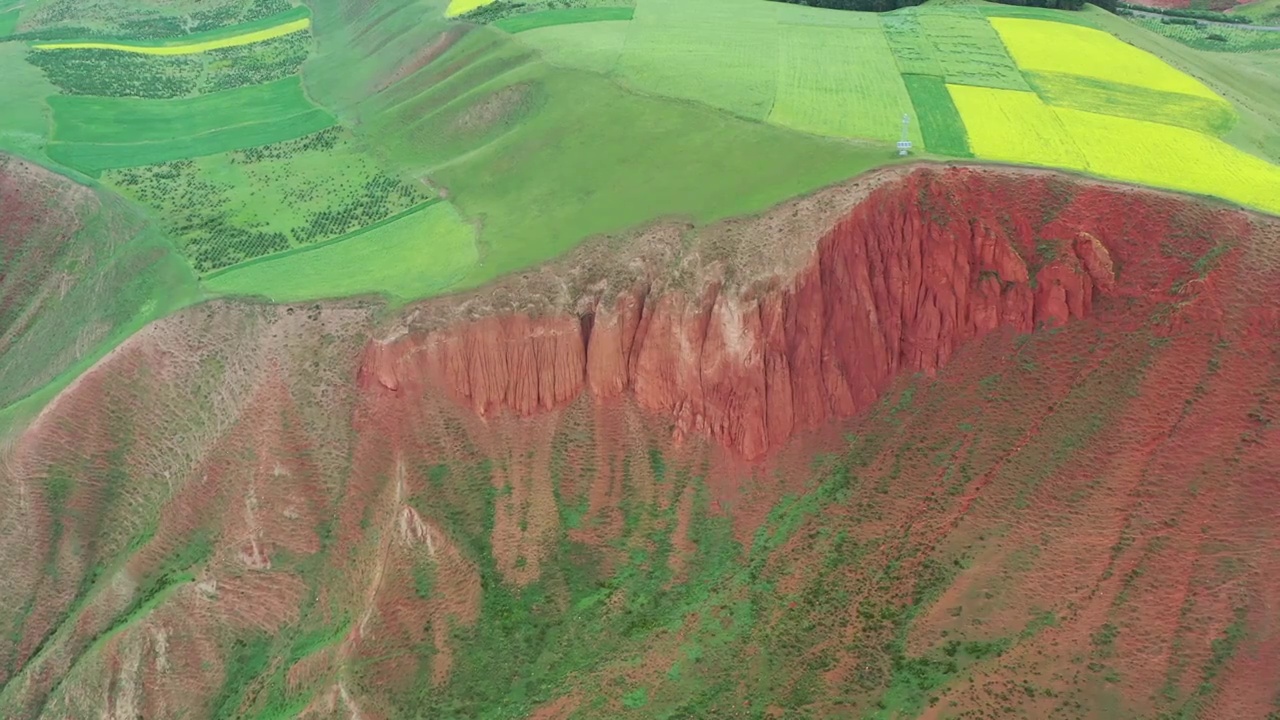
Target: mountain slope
[{"x": 1052, "y": 496}]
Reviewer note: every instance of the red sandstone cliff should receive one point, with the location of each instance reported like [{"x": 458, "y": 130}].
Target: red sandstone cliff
[{"x": 911, "y": 272}]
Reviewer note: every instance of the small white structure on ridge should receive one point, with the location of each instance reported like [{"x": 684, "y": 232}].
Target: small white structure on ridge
[{"x": 904, "y": 145}]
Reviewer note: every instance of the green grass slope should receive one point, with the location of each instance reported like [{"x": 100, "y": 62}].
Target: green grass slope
[
  {"x": 82, "y": 271},
  {"x": 543, "y": 156}
]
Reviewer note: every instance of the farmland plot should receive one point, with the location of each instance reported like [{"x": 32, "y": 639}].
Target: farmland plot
[
  {"x": 1193, "y": 112},
  {"x": 115, "y": 74},
  {"x": 910, "y": 46},
  {"x": 419, "y": 253},
  {"x": 228, "y": 208},
  {"x": 1015, "y": 126},
  {"x": 1043, "y": 46},
  {"x": 939, "y": 121},
  {"x": 595, "y": 47},
  {"x": 970, "y": 51},
  {"x": 1172, "y": 157},
  {"x": 822, "y": 17},
  {"x": 841, "y": 83},
  {"x": 563, "y": 16},
  {"x": 134, "y": 120},
  {"x": 732, "y": 67},
  {"x": 93, "y": 134},
  {"x": 1215, "y": 38},
  {"x": 294, "y": 20},
  {"x": 8, "y": 21}
]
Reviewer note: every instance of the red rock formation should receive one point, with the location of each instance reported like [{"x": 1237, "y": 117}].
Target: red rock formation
[{"x": 912, "y": 272}]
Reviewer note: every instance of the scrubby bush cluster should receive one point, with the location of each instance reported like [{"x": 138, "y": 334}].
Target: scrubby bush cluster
[
  {"x": 1197, "y": 34},
  {"x": 54, "y": 20},
  {"x": 887, "y": 5},
  {"x": 119, "y": 74},
  {"x": 217, "y": 224},
  {"x": 113, "y": 73},
  {"x": 322, "y": 141},
  {"x": 496, "y": 11},
  {"x": 1209, "y": 15}
]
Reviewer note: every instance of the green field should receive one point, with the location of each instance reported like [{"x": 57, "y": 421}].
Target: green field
[
  {"x": 112, "y": 120},
  {"x": 8, "y": 22},
  {"x": 1261, "y": 12},
  {"x": 940, "y": 123},
  {"x": 969, "y": 50},
  {"x": 225, "y": 32},
  {"x": 419, "y": 253},
  {"x": 114, "y": 74},
  {"x": 1082, "y": 93},
  {"x": 720, "y": 55},
  {"x": 228, "y": 208},
  {"x": 839, "y": 82},
  {"x": 912, "y": 49},
  {"x": 1214, "y": 38},
  {"x": 94, "y": 157},
  {"x": 92, "y": 134},
  {"x": 565, "y": 16}
]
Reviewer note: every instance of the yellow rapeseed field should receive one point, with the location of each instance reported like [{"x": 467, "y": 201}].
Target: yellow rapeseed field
[
  {"x": 187, "y": 48},
  {"x": 1172, "y": 157},
  {"x": 1046, "y": 46},
  {"x": 1014, "y": 126},
  {"x": 458, "y": 7},
  {"x": 1017, "y": 127}
]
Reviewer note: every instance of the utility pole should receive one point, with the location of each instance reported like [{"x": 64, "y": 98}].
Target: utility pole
[{"x": 904, "y": 145}]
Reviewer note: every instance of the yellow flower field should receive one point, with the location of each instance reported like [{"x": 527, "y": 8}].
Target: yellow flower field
[
  {"x": 187, "y": 48},
  {"x": 458, "y": 7},
  {"x": 1017, "y": 127},
  {"x": 1014, "y": 126},
  {"x": 1172, "y": 157},
  {"x": 1045, "y": 46}
]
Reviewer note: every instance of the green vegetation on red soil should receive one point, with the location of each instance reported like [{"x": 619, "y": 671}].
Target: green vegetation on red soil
[
  {"x": 271, "y": 505},
  {"x": 996, "y": 540}
]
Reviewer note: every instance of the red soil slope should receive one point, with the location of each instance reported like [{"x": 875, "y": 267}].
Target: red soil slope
[
  {"x": 895, "y": 287},
  {"x": 1091, "y": 468}
]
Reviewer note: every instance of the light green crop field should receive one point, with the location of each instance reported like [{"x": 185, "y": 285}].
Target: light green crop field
[
  {"x": 416, "y": 254},
  {"x": 704, "y": 52},
  {"x": 1077, "y": 92},
  {"x": 92, "y": 134},
  {"x": 596, "y": 47},
  {"x": 563, "y": 16},
  {"x": 8, "y": 21},
  {"x": 24, "y": 113},
  {"x": 92, "y": 158},
  {"x": 134, "y": 120},
  {"x": 911, "y": 47},
  {"x": 969, "y": 50},
  {"x": 840, "y": 82}
]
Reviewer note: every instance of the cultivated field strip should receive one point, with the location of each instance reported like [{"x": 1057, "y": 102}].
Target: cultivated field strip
[
  {"x": 1042, "y": 46},
  {"x": 840, "y": 82},
  {"x": 292, "y": 21},
  {"x": 418, "y": 253},
  {"x": 1015, "y": 126},
  {"x": 93, "y": 134}
]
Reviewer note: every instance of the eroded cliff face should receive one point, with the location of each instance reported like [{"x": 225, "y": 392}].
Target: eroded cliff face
[
  {"x": 255, "y": 511},
  {"x": 908, "y": 274}
]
